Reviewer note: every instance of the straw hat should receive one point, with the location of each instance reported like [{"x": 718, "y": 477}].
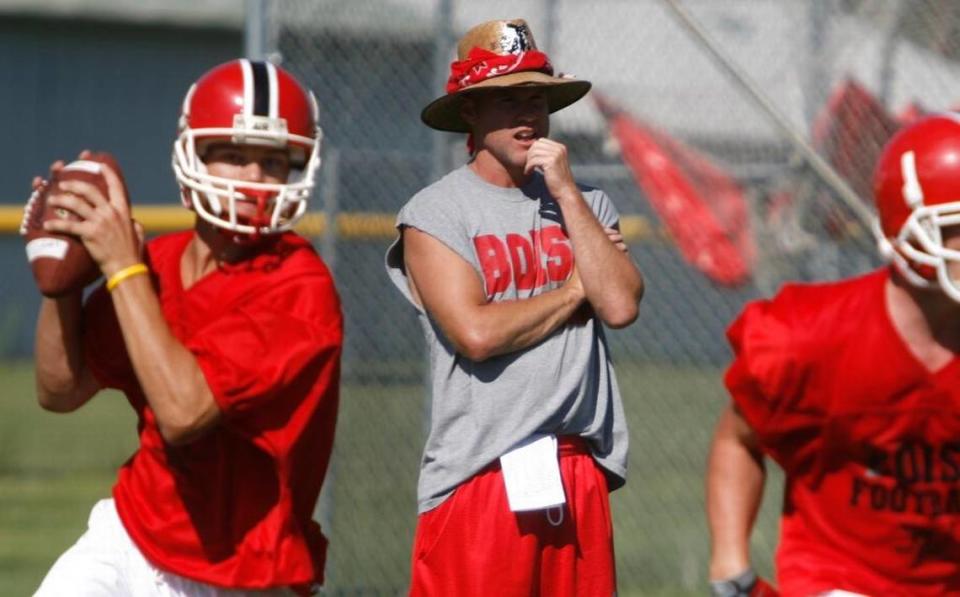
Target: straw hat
[{"x": 498, "y": 54}]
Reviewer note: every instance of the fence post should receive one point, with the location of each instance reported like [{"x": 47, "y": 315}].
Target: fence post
[
  {"x": 442, "y": 41},
  {"x": 331, "y": 203},
  {"x": 255, "y": 30}
]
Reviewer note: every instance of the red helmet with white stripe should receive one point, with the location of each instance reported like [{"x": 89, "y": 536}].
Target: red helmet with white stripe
[
  {"x": 917, "y": 190},
  {"x": 247, "y": 103}
]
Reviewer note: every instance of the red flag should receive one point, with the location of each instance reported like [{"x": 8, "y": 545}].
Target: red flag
[
  {"x": 850, "y": 131},
  {"x": 701, "y": 205}
]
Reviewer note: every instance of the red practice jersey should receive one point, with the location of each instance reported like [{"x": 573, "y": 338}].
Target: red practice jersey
[
  {"x": 234, "y": 508},
  {"x": 869, "y": 440}
]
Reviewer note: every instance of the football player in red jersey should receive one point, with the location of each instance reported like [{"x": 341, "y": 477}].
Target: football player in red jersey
[
  {"x": 853, "y": 388},
  {"x": 226, "y": 340}
]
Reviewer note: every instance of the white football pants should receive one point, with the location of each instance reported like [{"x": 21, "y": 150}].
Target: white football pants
[{"x": 104, "y": 562}]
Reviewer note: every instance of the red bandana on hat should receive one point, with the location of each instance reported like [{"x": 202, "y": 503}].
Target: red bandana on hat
[{"x": 481, "y": 65}]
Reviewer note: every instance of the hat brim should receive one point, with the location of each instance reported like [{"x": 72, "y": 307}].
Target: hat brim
[{"x": 443, "y": 113}]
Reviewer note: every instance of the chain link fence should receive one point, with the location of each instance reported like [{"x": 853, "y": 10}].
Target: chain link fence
[{"x": 762, "y": 117}]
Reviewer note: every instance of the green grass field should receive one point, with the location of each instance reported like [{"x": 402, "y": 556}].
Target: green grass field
[{"x": 54, "y": 467}]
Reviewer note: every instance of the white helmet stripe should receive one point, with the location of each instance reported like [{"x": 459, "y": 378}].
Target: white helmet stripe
[
  {"x": 912, "y": 191},
  {"x": 247, "y": 86},
  {"x": 272, "y": 87}
]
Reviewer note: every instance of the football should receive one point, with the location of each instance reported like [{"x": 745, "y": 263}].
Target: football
[{"x": 60, "y": 263}]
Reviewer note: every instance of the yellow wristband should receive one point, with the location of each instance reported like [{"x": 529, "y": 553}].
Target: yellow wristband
[{"x": 120, "y": 276}]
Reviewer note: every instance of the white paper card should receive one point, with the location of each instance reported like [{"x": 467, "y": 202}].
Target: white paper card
[{"x": 531, "y": 473}]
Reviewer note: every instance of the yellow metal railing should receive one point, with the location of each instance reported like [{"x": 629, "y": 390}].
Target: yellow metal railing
[{"x": 349, "y": 225}]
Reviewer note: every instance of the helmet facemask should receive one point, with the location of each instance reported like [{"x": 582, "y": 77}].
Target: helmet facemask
[
  {"x": 917, "y": 251},
  {"x": 215, "y": 198}
]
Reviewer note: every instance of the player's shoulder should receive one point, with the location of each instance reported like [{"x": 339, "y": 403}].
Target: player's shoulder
[
  {"x": 299, "y": 260},
  {"x": 804, "y": 318},
  {"x": 285, "y": 260},
  {"x": 165, "y": 250},
  {"x": 833, "y": 299},
  {"x": 296, "y": 280}
]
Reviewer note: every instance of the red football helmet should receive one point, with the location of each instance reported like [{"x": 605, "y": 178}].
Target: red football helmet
[
  {"x": 256, "y": 103},
  {"x": 917, "y": 189}
]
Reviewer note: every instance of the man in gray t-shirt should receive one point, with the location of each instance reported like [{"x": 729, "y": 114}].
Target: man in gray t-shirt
[{"x": 513, "y": 268}]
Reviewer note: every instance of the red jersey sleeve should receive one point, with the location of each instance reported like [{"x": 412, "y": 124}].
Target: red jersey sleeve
[
  {"x": 105, "y": 353},
  {"x": 273, "y": 363},
  {"x": 770, "y": 380}
]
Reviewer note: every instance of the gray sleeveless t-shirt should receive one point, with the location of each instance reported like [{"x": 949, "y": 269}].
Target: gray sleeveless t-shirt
[{"x": 564, "y": 385}]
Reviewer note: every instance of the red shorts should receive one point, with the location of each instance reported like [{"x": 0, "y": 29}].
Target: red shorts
[{"x": 472, "y": 544}]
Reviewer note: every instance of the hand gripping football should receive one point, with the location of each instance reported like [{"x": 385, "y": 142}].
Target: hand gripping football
[{"x": 60, "y": 263}]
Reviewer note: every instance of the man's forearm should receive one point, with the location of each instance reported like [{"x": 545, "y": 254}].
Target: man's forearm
[
  {"x": 611, "y": 281},
  {"x": 735, "y": 479},
  {"x": 508, "y": 326},
  {"x": 62, "y": 381},
  {"x": 169, "y": 374}
]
